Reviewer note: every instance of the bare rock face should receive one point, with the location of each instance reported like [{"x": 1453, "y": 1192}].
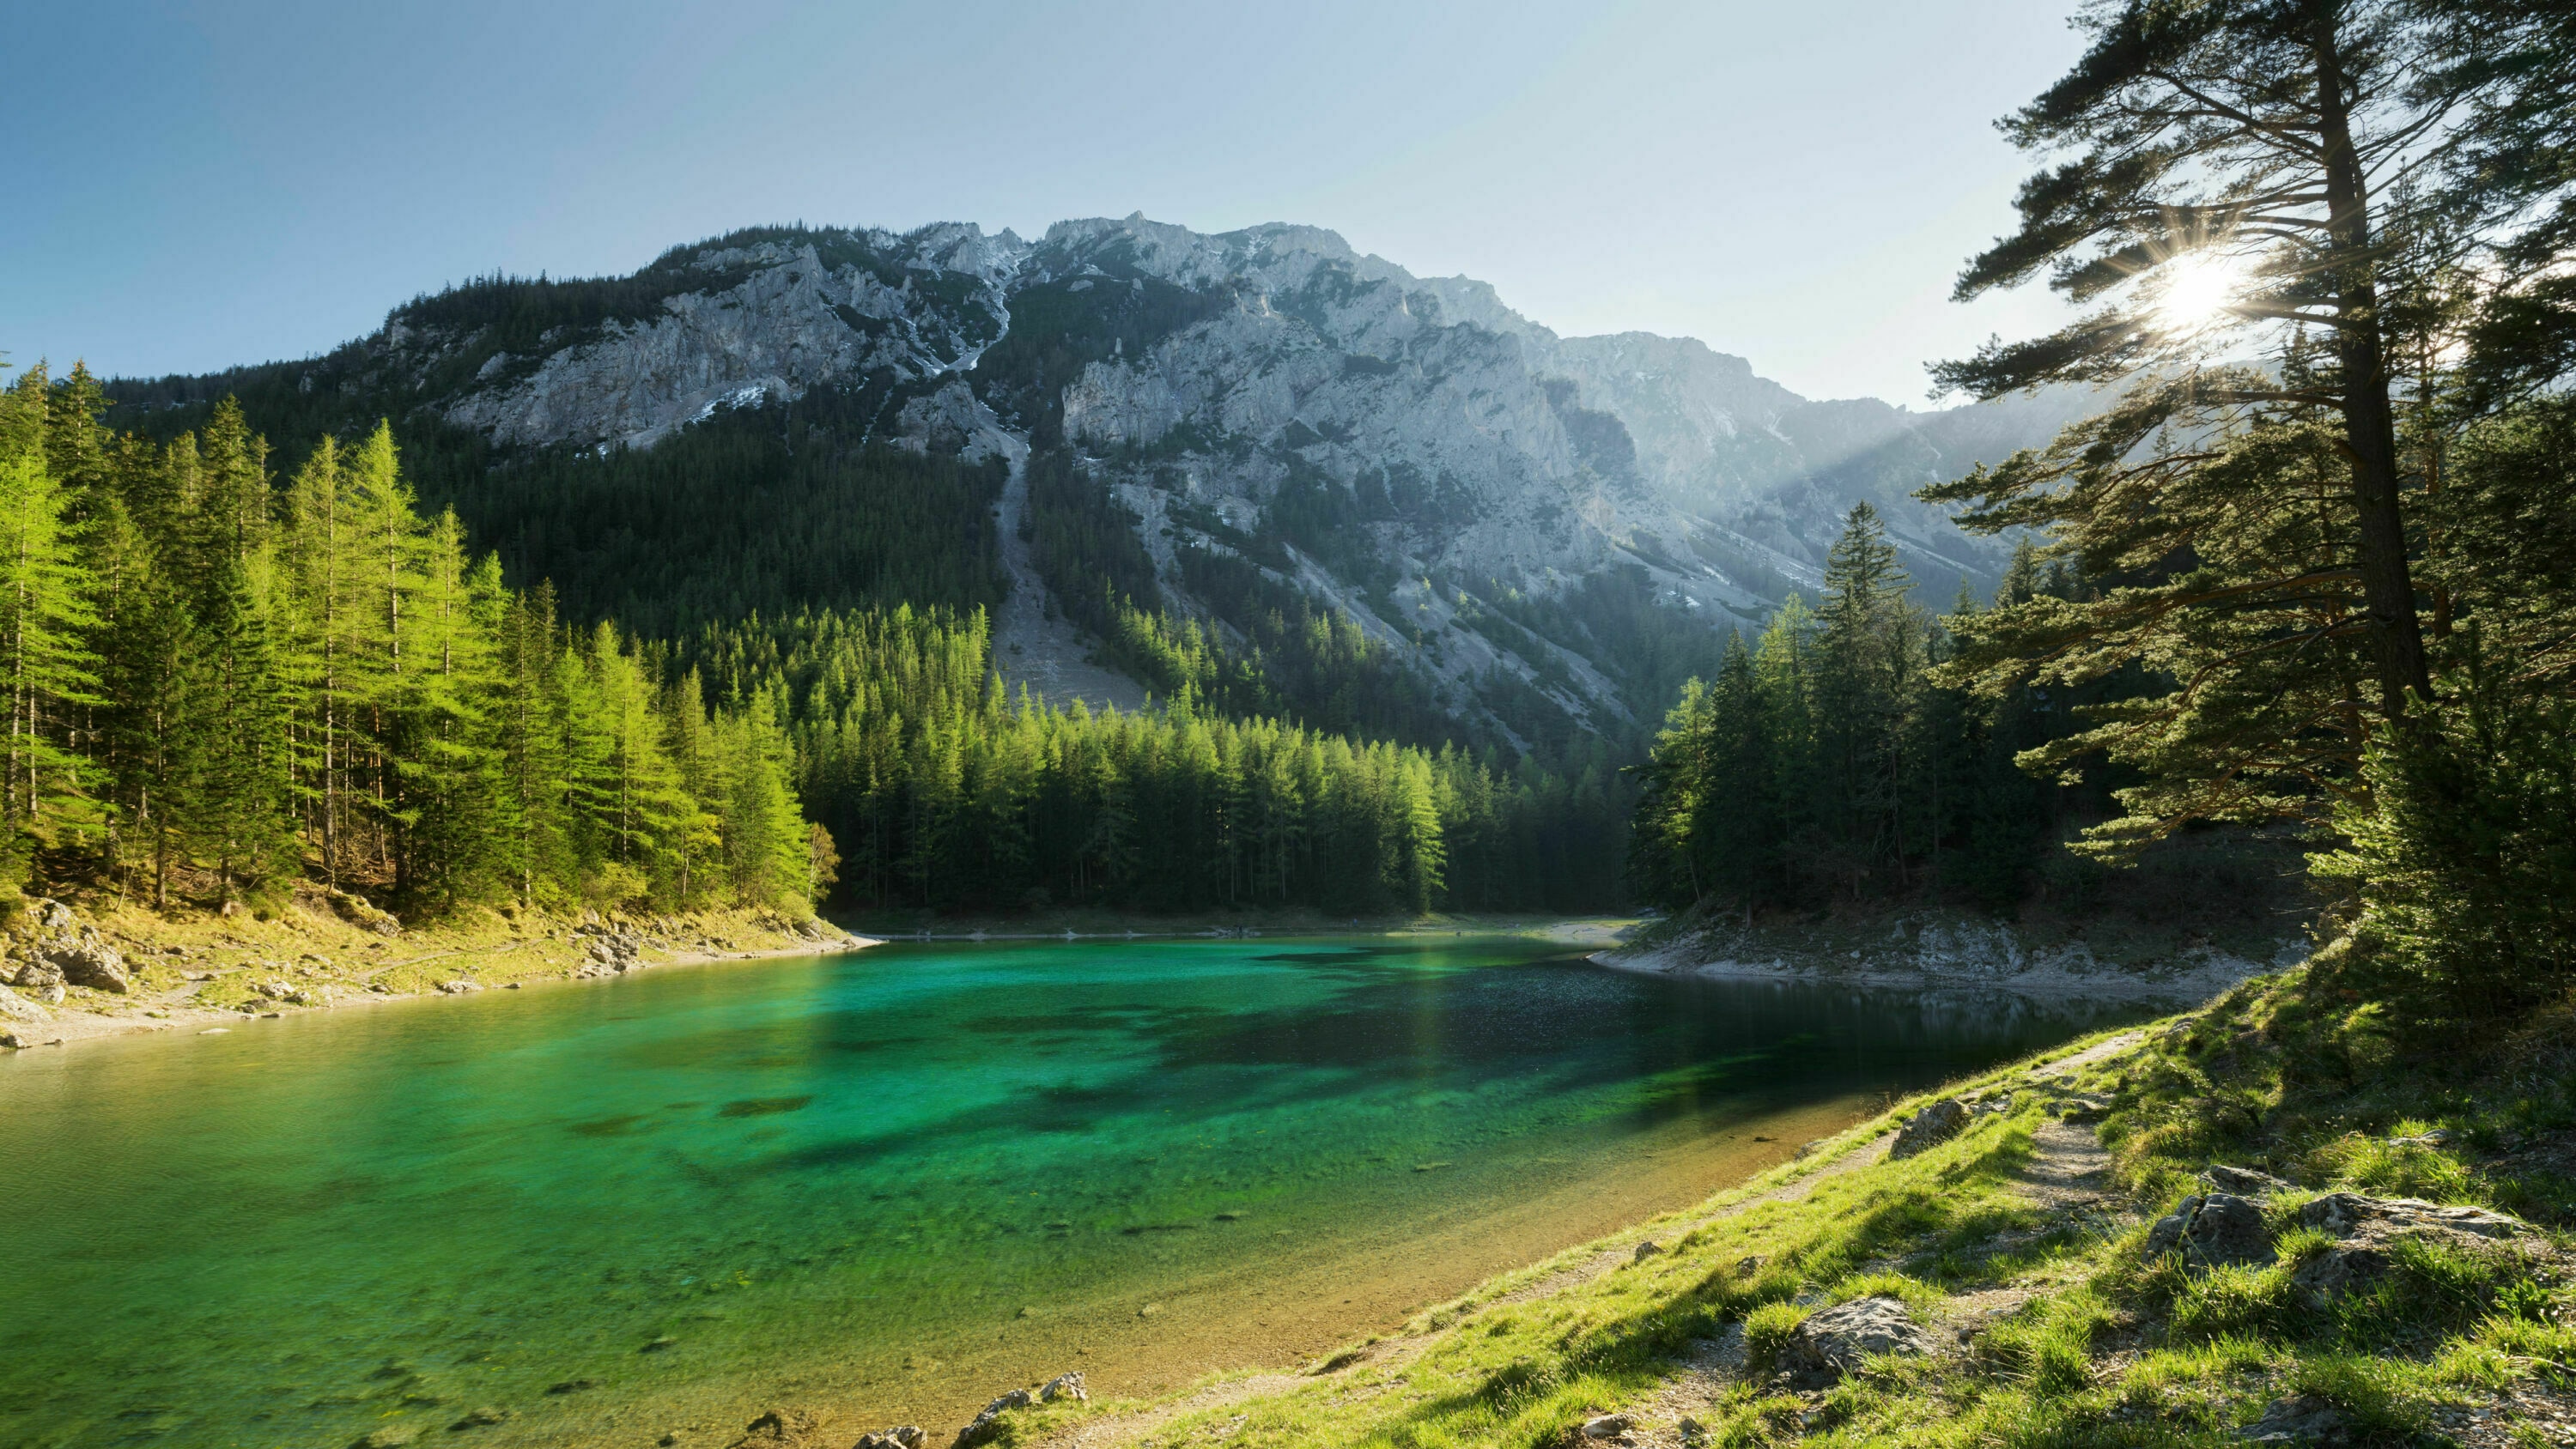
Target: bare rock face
[
  {"x": 1930, "y": 1128},
  {"x": 1836, "y": 1341},
  {"x": 1208, "y": 373},
  {"x": 2211, "y": 1231}
]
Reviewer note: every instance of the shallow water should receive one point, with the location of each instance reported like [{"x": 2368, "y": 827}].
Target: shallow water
[{"x": 890, "y": 1183}]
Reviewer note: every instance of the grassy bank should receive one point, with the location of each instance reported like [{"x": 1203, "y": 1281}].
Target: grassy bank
[
  {"x": 200, "y": 969},
  {"x": 2019, "y": 1248}
]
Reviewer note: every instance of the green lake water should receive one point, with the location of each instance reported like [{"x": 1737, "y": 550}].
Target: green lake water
[{"x": 890, "y": 1183}]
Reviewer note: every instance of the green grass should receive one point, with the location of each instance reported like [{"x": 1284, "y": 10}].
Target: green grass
[{"x": 2104, "y": 1346}]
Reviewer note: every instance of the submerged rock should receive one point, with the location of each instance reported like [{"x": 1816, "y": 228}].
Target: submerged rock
[
  {"x": 1835, "y": 1341},
  {"x": 1930, "y": 1128},
  {"x": 2213, "y": 1230},
  {"x": 478, "y": 1419},
  {"x": 778, "y": 1427},
  {"x": 391, "y": 1436}
]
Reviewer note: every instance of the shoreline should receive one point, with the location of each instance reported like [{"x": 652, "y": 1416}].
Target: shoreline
[
  {"x": 1951, "y": 957},
  {"x": 171, "y": 1012}
]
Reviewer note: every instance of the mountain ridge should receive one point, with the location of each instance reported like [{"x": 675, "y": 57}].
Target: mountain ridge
[{"x": 1409, "y": 451}]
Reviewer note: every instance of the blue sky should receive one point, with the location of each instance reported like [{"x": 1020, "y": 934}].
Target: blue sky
[{"x": 188, "y": 186}]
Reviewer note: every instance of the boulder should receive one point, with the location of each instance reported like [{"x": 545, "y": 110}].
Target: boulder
[
  {"x": 2244, "y": 1181},
  {"x": 90, "y": 962},
  {"x": 458, "y": 987},
  {"x": 35, "y": 973},
  {"x": 2213, "y": 1230},
  {"x": 1608, "y": 1426},
  {"x": 14, "y": 1007},
  {"x": 988, "y": 1424},
  {"x": 902, "y": 1436},
  {"x": 2303, "y": 1420},
  {"x": 1930, "y": 1128},
  {"x": 1836, "y": 1341}
]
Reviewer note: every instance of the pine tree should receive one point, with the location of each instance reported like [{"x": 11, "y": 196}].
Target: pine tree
[{"x": 46, "y": 666}]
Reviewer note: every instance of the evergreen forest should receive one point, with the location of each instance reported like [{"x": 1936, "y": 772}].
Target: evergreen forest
[{"x": 2312, "y": 567}]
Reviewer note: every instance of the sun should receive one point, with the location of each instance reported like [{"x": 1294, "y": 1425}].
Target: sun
[{"x": 2198, "y": 287}]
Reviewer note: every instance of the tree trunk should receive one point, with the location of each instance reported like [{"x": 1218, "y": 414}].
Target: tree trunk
[{"x": 2370, "y": 428}]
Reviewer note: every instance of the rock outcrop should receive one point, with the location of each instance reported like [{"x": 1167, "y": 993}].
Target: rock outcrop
[
  {"x": 14, "y": 1007},
  {"x": 987, "y": 1426},
  {"x": 2213, "y": 1230},
  {"x": 1836, "y": 1341},
  {"x": 2368, "y": 1232},
  {"x": 1930, "y": 1128}
]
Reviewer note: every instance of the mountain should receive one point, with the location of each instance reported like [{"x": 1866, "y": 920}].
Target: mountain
[{"x": 1543, "y": 533}]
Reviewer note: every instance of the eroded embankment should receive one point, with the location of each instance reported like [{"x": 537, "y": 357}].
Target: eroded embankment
[{"x": 76, "y": 973}]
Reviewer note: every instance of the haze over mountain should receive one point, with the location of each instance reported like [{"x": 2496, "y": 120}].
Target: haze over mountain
[{"x": 1407, "y": 451}]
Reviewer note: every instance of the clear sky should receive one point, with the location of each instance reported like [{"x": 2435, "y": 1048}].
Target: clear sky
[{"x": 188, "y": 186}]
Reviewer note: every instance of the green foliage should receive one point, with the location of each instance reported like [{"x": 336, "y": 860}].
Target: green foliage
[
  {"x": 222, "y": 685},
  {"x": 938, "y": 791},
  {"x": 2464, "y": 852},
  {"x": 1829, "y": 764}
]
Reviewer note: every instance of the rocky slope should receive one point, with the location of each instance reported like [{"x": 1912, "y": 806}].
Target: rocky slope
[{"x": 1408, "y": 448}]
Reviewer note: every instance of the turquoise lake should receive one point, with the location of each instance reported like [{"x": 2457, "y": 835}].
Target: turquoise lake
[{"x": 888, "y": 1184}]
